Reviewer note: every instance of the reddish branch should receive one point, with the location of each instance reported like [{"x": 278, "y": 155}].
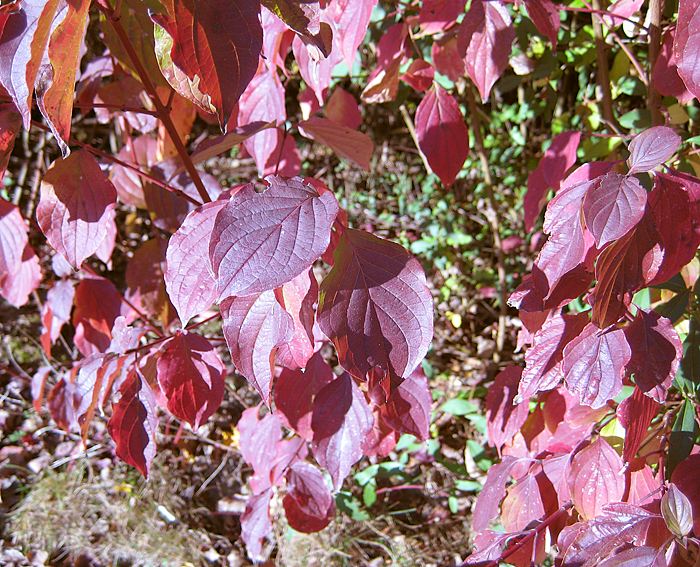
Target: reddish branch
[
  {"x": 109, "y": 157},
  {"x": 161, "y": 110}
]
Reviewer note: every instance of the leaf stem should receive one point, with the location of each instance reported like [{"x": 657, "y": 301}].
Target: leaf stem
[{"x": 161, "y": 110}]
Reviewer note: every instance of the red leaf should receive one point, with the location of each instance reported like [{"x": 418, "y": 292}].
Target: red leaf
[
  {"x": 442, "y": 134},
  {"x": 55, "y": 82},
  {"x": 315, "y": 72},
  {"x": 217, "y": 45},
  {"x": 488, "y": 33},
  {"x": 562, "y": 257},
  {"x": 525, "y": 501},
  {"x": 10, "y": 124},
  {"x": 189, "y": 280},
  {"x": 621, "y": 270},
  {"x": 262, "y": 101},
  {"x": 308, "y": 504},
  {"x": 340, "y": 421},
  {"x": 635, "y": 414},
  {"x": 304, "y": 17},
  {"x": 351, "y": 19},
  {"x": 342, "y": 108},
  {"x": 347, "y": 143},
  {"x": 212, "y": 147},
  {"x": 545, "y": 15},
  {"x": 686, "y": 45},
  {"x": 76, "y": 207},
  {"x": 375, "y": 306},
  {"x": 595, "y": 478},
  {"x": 19, "y": 266},
  {"x": 675, "y": 208},
  {"x": 592, "y": 541},
  {"x": 408, "y": 406},
  {"x": 97, "y": 305},
  {"x": 550, "y": 171},
  {"x": 656, "y": 353},
  {"x": 22, "y": 46},
  {"x": 263, "y": 448},
  {"x": 295, "y": 390},
  {"x": 262, "y": 240},
  {"x": 256, "y": 524},
  {"x": 494, "y": 490},
  {"x": 438, "y": 15},
  {"x": 134, "y": 423},
  {"x": 56, "y": 312},
  {"x": 38, "y": 386},
  {"x": 298, "y": 298},
  {"x": 254, "y": 327},
  {"x": 651, "y": 148},
  {"x": 503, "y": 416},
  {"x": 447, "y": 58},
  {"x": 141, "y": 152},
  {"x": 144, "y": 280},
  {"x": 665, "y": 73},
  {"x": 594, "y": 364},
  {"x": 613, "y": 207},
  {"x": 419, "y": 75},
  {"x": 191, "y": 375},
  {"x": 543, "y": 368},
  {"x": 677, "y": 512}
]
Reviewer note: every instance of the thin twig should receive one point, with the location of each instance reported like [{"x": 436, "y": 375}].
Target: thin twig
[
  {"x": 161, "y": 110},
  {"x": 412, "y": 131},
  {"x": 602, "y": 71},
  {"x": 656, "y": 8},
  {"x": 492, "y": 217}
]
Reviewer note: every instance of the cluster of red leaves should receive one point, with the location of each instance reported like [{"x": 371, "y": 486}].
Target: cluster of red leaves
[
  {"x": 256, "y": 251},
  {"x": 603, "y": 227}
]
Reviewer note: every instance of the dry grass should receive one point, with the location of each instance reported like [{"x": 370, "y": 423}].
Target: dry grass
[{"x": 118, "y": 519}]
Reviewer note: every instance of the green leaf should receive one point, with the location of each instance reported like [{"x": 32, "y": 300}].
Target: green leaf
[
  {"x": 468, "y": 485},
  {"x": 369, "y": 493},
  {"x": 453, "y": 504},
  {"x": 683, "y": 434},
  {"x": 351, "y": 507},
  {"x": 458, "y": 406},
  {"x": 688, "y": 377}
]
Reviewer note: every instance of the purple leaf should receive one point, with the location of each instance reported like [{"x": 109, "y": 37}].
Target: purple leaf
[
  {"x": 613, "y": 207},
  {"x": 76, "y": 207},
  {"x": 346, "y": 142},
  {"x": 262, "y": 240},
  {"x": 375, "y": 306},
  {"x": 504, "y": 416},
  {"x": 687, "y": 43},
  {"x": 543, "y": 369},
  {"x": 550, "y": 171},
  {"x": 256, "y": 525},
  {"x": 191, "y": 376},
  {"x": 489, "y": 499},
  {"x": 595, "y": 478},
  {"x": 189, "y": 280},
  {"x": 308, "y": 504},
  {"x": 656, "y": 353},
  {"x": 298, "y": 297},
  {"x": 295, "y": 391},
  {"x": 651, "y": 148},
  {"x": 442, "y": 134},
  {"x": 134, "y": 423},
  {"x": 254, "y": 326},
  {"x": 341, "y": 421},
  {"x": 19, "y": 267},
  {"x": 545, "y": 15},
  {"x": 488, "y": 34},
  {"x": 351, "y": 19},
  {"x": 22, "y": 45},
  {"x": 594, "y": 364},
  {"x": 408, "y": 406}
]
